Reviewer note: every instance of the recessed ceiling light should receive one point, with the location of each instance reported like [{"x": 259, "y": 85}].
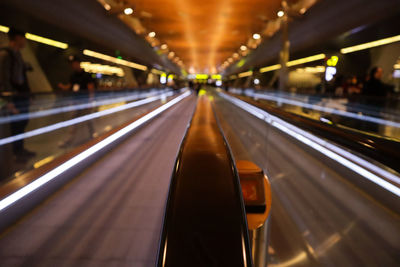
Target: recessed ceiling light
[
  {"x": 152, "y": 34},
  {"x": 128, "y": 11},
  {"x": 243, "y": 48},
  {"x": 107, "y": 6},
  {"x": 164, "y": 46},
  {"x": 280, "y": 13},
  {"x": 256, "y": 36}
]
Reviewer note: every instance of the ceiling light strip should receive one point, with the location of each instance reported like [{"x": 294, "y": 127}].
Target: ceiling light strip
[
  {"x": 115, "y": 60},
  {"x": 4, "y": 29},
  {"x": 305, "y": 60},
  {"x": 39, "y": 39},
  {"x": 26, "y": 190},
  {"x": 376, "y": 43},
  {"x": 47, "y": 41},
  {"x": 270, "y": 68},
  {"x": 245, "y": 74}
]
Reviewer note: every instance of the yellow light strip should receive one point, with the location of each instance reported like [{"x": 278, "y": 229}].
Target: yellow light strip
[
  {"x": 245, "y": 74},
  {"x": 4, "y": 29},
  {"x": 38, "y": 38},
  {"x": 376, "y": 43},
  {"x": 316, "y": 69},
  {"x": 216, "y": 76},
  {"x": 201, "y": 76},
  {"x": 44, "y": 40},
  {"x": 114, "y": 60},
  {"x": 305, "y": 60},
  {"x": 156, "y": 71},
  {"x": 396, "y": 66},
  {"x": 270, "y": 68},
  {"x": 294, "y": 62},
  {"x": 103, "y": 69}
]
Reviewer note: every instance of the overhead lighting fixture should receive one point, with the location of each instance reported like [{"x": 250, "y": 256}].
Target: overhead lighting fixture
[
  {"x": 103, "y": 69},
  {"x": 235, "y": 55},
  {"x": 270, "y": 68},
  {"x": 376, "y": 43},
  {"x": 305, "y": 60},
  {"x": 241, "y": 63},
  {"x": 38, "y": 38},
  {"x": 230, "y": 60},
  {"x": 107, "y": 7},
  {"x": 152, "y": 34},
  {"x": 280, "y": 13},
  {"x": 294, "y": 62},
  {"x": 243, "y": 48},
  {"x": 317, "y": 69},
  {"x": 114, "y": 60},
  {"x": 245, "y": 74},
  {"x": 256, "y": 36},
  {"x": 44, "y": 40},
  {"x": 164, "y": 46},
  {"x": 163, "y": 78},
  {"x": 4, "y": 29},
  {"x": 128, "y": 11},
  {"x": 201, "y": 76},
  {"x": 332, "y": 62}
]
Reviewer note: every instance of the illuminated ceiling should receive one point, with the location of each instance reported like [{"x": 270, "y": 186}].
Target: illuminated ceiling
[
  {"x": 204, "y": 33},
  {"x": 200, "y": 35}
]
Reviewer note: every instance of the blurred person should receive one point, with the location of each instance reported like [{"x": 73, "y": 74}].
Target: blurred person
[
  {"x": 353, "y": 86},
  {"x": 375, "y": 92},
  {"x": 82, "y": 86},
  {"x": 13, "y": 79},
  {"x": 339, "y": 86},
  {"x": 374, "y": 85}
]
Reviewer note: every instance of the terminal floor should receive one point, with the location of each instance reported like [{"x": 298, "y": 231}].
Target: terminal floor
[
  {"x": 111, "y": 214},
  {"x": 318, "y": 217}
]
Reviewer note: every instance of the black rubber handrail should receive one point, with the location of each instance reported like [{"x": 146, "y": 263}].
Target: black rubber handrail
[
  {"x": 383, "y": 150},
  {"x": 205, "y": 221}
]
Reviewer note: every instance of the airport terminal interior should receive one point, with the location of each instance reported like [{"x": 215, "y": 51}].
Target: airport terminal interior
[{"x": 199, "y": 133}]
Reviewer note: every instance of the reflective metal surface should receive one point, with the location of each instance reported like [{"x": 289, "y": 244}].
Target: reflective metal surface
[
  {"x": 318, "y": 217},
  {"x": 111, "y": 213}
]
